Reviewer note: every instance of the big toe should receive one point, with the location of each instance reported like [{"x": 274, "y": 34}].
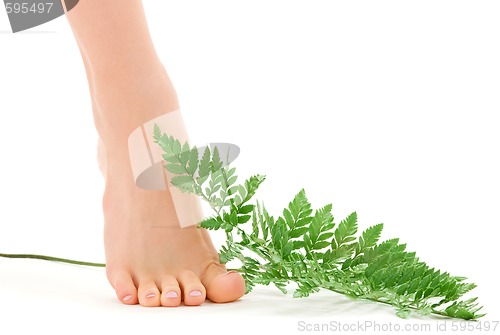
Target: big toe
[{"x": 223, "y": 286}]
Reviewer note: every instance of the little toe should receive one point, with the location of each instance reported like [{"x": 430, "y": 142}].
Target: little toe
[
  {"x": 170, "y": 292},
  {"x": 149, "y": 295},
  {"x": 125, "y": 289},
  {"x": 223, "y": 286},
  {"x": 193, "y": 291}
]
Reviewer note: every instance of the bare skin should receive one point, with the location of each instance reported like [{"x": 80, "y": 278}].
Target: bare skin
[{"x": 150, "y": 260}]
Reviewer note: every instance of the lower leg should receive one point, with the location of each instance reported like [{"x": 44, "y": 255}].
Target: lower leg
[
  {"x": 122, "y": 62},
  {"x": 101, "y": 154},
  {"x": 129, "y": 86}
]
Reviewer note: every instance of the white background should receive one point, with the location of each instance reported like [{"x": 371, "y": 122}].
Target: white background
[{"x": 387, "y": 108}]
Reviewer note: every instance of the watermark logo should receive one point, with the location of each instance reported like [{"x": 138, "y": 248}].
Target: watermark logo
[
  {"x": 26, "y": 14},
  {"x": 408, "y": 327}
]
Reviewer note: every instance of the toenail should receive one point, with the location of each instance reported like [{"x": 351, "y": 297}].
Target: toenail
[
  {"x": 127, "y": 297},
  {"x": 151, "y": 295},
  {"x": 171, "y": 294},
  {"x": 195, "y": 293}
]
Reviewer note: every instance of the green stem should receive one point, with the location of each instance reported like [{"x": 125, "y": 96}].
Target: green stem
[
  {"x": 55, "y": 259},
  {"x": 255, "y": 250},
  {"x": 70, "y": 261},
  {"x": 434, "y": 311}
]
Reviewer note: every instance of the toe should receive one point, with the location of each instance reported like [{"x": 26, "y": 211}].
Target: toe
[
  {"x": 192, "y": 289},
  {"x": 149, "y": 295},
  {"x": 223, "y": 286},
  {"x": 125, "y": 289},
  {"x": 170, "y": 292}
]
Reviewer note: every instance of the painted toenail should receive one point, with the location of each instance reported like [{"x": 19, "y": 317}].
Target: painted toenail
[
  {"x": 127, "y": 297},
  {"x": 151, "y": 295},
  {"x": 195, "y": 293},
  {"x": 171, "y": 294}
]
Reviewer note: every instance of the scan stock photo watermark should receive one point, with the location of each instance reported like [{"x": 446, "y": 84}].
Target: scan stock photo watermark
[
  {"x": 383, "y": 327},
  {"x": 26, "y": 14}
]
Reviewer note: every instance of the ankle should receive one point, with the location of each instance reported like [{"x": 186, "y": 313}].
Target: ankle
[{"x": 126, "y": 101}]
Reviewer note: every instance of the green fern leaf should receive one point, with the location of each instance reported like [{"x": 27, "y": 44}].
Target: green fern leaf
[
  {"x": 205, "y": 166},
  {"x": 345, "y": 231},
  {"x": 369, "y": 238},
  {"x": 321, "y": 221},
  {"x": 309, "y": 249},
  {"x": 216, "y": 162},
  {"x": 177, "y": 169}
]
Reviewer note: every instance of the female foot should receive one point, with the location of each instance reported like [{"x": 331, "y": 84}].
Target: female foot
[{"x": 150, "y": 259}]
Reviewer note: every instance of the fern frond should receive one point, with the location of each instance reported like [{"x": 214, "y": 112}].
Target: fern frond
[
  {"x": 305, "y": 246},
  {"x": 345, "y": 231}
]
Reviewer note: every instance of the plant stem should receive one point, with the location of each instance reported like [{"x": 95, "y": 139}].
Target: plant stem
[
  {"x": 55, "y": 259},
  {"x": 388, "y": 303},
  {"x": 70, "y": 261}
]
